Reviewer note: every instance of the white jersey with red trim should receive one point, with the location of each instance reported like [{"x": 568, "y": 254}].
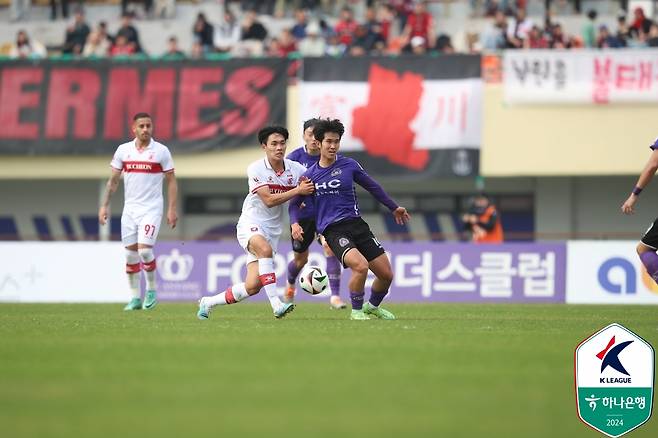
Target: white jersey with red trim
[
  {"x": 261, "y": 174},
  {"x": 143, "y": 172}
]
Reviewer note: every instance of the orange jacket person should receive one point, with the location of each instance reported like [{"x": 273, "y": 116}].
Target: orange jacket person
[{"x": 483, "y": 221}]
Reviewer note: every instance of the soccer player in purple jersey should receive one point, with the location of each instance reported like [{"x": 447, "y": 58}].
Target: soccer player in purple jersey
[
  {"x": 308, "y": 156},
  {"x": 648, "y": 245},
  {"x": 339, "y": 220}
]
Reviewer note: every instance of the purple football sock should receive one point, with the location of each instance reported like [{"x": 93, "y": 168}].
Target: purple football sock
[
  {"x": 333, "y": 270},
  {"x": 650, "y": 261},
  {"x": 293, "y": 272},
  {"x": 357, "y": 300},
  {"x": 377, "y": 297}
]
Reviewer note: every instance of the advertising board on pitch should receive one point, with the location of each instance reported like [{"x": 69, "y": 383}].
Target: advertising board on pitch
[{"x": 607, "y": 272}]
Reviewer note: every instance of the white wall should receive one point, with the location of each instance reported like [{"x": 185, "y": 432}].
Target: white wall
[{"x": 589, "y": 208}]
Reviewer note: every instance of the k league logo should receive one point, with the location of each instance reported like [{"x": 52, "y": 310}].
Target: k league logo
[
  {"x": 614, "y": 375},
  {"x": 175, "y": 266},
  {"x": 610, "y": 357}
]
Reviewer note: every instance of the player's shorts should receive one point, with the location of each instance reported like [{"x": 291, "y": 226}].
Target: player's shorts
[
  {"x": 308, "y": 225},
  {"x": 140, "y": 227},
  {"x": 246, "y": 230},
  {"x": 352, "y": 233},
  {"x": 650, "y": 238}
]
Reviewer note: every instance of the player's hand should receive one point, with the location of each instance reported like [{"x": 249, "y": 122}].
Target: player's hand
[
  {"x": 297, "y": 232},
  {"x": 327, "y": 249},
  {"x": 172, "y": 218},
  {"x": 305, "y": 187},
  {"x": 401, "y": 216},
  {"x": 628, "y": 206},
  {"x": 102, "y": 215}
]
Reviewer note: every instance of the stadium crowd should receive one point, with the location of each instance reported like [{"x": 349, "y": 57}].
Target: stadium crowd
[{"x": 323, "y": 28}]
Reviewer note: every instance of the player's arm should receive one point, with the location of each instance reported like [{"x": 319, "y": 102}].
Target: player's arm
[
  {"x": 305, "y": 187},
  {"x": 294, "y": 208},
  {"x": 645, "y": 177},
  {"x": 110, "y": 188},
  {"x": 172, "y": 198},
  {"x": 376, "y": 190}
]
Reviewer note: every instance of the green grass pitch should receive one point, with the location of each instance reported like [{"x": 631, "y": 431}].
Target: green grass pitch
[{"x": 440, "y": 370}]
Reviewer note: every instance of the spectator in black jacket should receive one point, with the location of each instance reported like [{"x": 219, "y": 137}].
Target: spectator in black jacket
[
  {"x": 76, "y": 34},
  {"x": 129, "y": 31},
  {"x": 252, "y": 29},
  {"x": 203, "y": 32}
]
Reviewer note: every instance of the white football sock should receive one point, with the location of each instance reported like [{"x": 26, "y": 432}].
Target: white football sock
[
  {"x": 268, "y": 280},
  {"x": 232, "y": 295},
  {"x": 133, "y": 269},
  {"x": 148, "y": 260}
]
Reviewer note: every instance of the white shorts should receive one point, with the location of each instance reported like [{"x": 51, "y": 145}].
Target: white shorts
[
  {"x": 245, "y": 231},
  {"x": 140, "y": 227}
]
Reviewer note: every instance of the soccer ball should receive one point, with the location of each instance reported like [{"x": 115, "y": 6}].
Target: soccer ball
[{"x": 314, "y": 280}]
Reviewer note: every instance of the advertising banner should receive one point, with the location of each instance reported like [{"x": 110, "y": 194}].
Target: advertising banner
[
  {"x": 80, "y": 272},
  {"x": 407, "y": 114},
  {"x": 423, "y": 272},
  {"x": 607, "y": 272},
  {"x": 581, "y": 76},
  {"x": 86, "y": 107}
]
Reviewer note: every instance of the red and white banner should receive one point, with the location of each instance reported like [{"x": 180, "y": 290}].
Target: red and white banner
[
  {"x": 580, "y": 76},
  {"x": 445, "y": 114},
  {"x": 408, "y": 116}
]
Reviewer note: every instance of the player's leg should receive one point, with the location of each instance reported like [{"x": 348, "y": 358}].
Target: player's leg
[
  {"x": 233, "y": 294},
  {"x": 133, "y": 265},
  {"x": 147, "y": 236},
  {"x": 340, "y": 241},
  {"x": 300, "y": 257},
  {"x": 333, "y": 271},
  {"x": 646, "y": 249},
  {"x": 261, "y": 248},
  {"x": 378, "y": 263},
  {"x": 354, "y": 260},
  {"x": 299, "y": 260}
]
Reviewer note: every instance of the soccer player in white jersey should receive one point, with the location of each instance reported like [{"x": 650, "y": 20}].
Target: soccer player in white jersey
[
  {"x": 143, "y": 162},
  {"x": 273, "y": 180}
]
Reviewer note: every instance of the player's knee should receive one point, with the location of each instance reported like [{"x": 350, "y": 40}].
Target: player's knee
[
  {"x": 642, "y": 248},
  {"x": 133, "y": 264},
  {"x": 148, "y": 258},
  {"x": 386, "y": 276},
  {"x": 260, "y": 248},
  {"x": 360, "y": 267},
  {"x": 253, "y": 288}
]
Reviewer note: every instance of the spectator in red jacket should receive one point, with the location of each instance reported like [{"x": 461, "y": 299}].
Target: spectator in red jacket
[
  {"x": 536, "y": 39},
  {"x": 641, "y": 24},
  {"x": 122, "y": 47},
  {"x": 420, "y": 23},
  {"x": 346, "y": 27}
]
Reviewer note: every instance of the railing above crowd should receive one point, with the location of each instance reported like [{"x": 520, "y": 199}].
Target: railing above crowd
[{"x": 311, "y": 28}]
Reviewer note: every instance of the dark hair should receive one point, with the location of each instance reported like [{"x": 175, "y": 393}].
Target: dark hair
[
  {"x": 264, "y": 133},
  {"x": 592, "y": 14},
  {"x": 311, "y": 123},
  {"x": 328, "y": 125},
  {"x": 141, "y": 116}
]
